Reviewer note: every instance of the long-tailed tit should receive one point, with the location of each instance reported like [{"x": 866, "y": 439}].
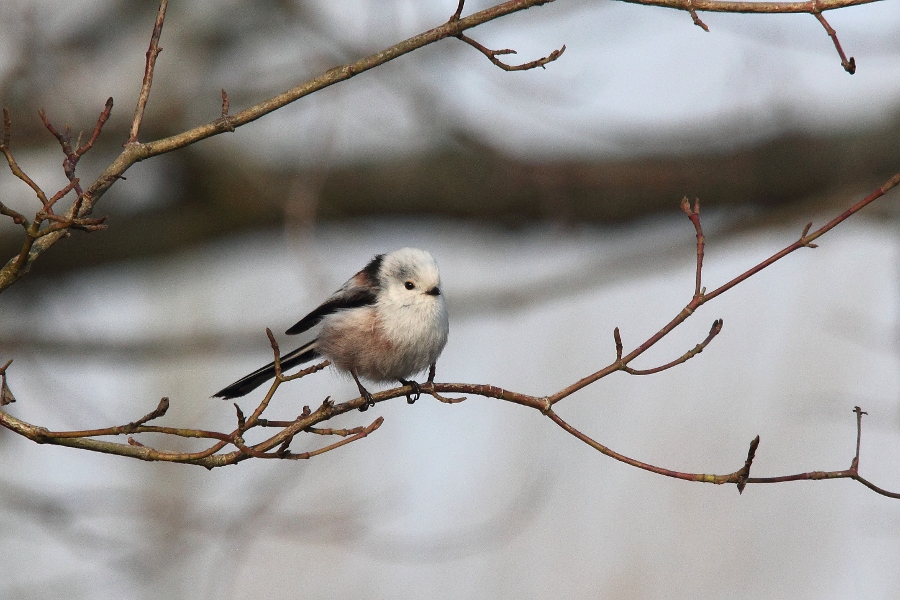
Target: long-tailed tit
[{"x": 387, "y": 323}]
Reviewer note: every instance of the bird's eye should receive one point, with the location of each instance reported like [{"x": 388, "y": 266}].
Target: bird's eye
[{"x": 409, "y": 285}]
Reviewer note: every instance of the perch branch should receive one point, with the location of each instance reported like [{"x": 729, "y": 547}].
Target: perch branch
[
  {"x": 277, "y": 444},
  {"x": 308, "y": 421}
]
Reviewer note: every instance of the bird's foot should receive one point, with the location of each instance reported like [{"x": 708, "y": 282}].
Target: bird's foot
[
  {"x": 417, "y": 391},
  {"x": 366, "y": 395},
  {"x": 369, "y": 400}
]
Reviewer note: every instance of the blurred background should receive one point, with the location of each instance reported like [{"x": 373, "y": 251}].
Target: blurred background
[{"x": 550, "y": 200}]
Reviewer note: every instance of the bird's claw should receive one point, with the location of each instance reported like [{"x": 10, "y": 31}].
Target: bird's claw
[
  {"x": 417, "y": 391},
  {"x": 369, "y": 401}
]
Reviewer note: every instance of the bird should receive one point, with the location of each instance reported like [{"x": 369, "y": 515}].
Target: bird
[{"x": 386, "y": 323}]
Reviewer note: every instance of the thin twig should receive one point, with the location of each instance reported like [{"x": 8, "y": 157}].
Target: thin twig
[
  {"x": 101, "y": 120},
  {"x": 713, "y": 332},
  {"x": 804, "y": 241},
  {"x": 695, "y": 18},
  {"x": 134, "y": 152},
  {"x": 152, "y": 52},
  {"x": 854, "y": 464},
  {"x": 458, "y": 13},
  {"x": 745, "y": 472},
  {"x": 304, "y": 455},
  {"x": 493, "y": 54},
  {"x": 11, "y": 161},
  {"x": 752, "y": 6},
  {"x": 703, "y": 477},
  {"x": 849, "y": 65},
  {"x": 17, "y": 217},
  {"x": 694, "y": 215},
  {"x": 73, "y": 155},
  {"x": 61, "y": 194}
]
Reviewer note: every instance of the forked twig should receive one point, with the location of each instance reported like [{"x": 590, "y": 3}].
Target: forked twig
[
  {"x": 133, "y": 151},
  {"x": 493, "y": 54},
  {"x": 277, "y": 445},
  {"x": 713, "y": 332}
]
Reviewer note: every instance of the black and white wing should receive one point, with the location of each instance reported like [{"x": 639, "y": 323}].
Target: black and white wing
[{"x": 360, "y": 290}]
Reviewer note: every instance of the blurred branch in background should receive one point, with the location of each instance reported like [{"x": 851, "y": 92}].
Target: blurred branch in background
[
  {"x": 465, "y": 179},
  {"x": 785, "y": 176}
]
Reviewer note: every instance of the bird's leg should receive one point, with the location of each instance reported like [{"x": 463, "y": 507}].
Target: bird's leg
[
  {"x": 369, "y": 400},
  {"x": 411, "y": 398},
  {"x": 431, "y": 371}
]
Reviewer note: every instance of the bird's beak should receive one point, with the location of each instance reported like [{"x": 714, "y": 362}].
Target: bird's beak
[{"x": 435, "y": 291}]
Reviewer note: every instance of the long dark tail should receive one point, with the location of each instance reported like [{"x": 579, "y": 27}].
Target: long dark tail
[{"x": 247, "y": 384}]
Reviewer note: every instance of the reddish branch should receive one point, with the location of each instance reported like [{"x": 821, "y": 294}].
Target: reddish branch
[
  {"x": 73, "y": 155},
  {"x": 39, "y": 238},
  {"x": 849, "y": 65},
  {"x": 73, "y": 217},
  {"x": 752, "y": 6},
  {"x": 135, "y": 151},
  {"x": 695, "y": 18},
  {"x": 277, "y": 445},
  {"x": 493, "y": 54},
  {"x": 152, "y": 53},
  {"x": 813, "y": 7}
]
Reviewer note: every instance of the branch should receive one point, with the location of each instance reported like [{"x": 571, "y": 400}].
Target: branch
[
  {"x": 702, "y": 297},
  {"x": 493, "y": 54},
  {"x": 277, "y": 445},
  {"x": 740, "y": 477},
  {"x": 713, "y": 332},
  {"x": 752, "y": 7},
  {"x": 849, "y": 65},
  {"x": 11, "y": 161},
  {"x": 135, "y": 151},
  {"x": 19, "y": 265},
  {"x": 73, "y": 155},
  {"x": 152, "y": 52},
  {"x": 6, "y": 395},
  {"x": 851, "y": 473},
  {"x": 307, "y": 421},
  {"x": 813, "y": 7}
]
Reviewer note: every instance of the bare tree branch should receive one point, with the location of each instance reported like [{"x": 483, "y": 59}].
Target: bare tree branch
[
  {"x": 493, "y": 54},
  {"x": 152, "y": 53},
  {"x": 849, "y": 65},
  {"x": 135, "y": 151},
  {"x": 308, "y": 420},
  {"x": 752, "y": 7}
]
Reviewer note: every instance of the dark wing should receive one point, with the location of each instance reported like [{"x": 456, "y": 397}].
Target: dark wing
[
  {"x": 247, "y": 384},
  {"x": 360, "y": 290}
]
